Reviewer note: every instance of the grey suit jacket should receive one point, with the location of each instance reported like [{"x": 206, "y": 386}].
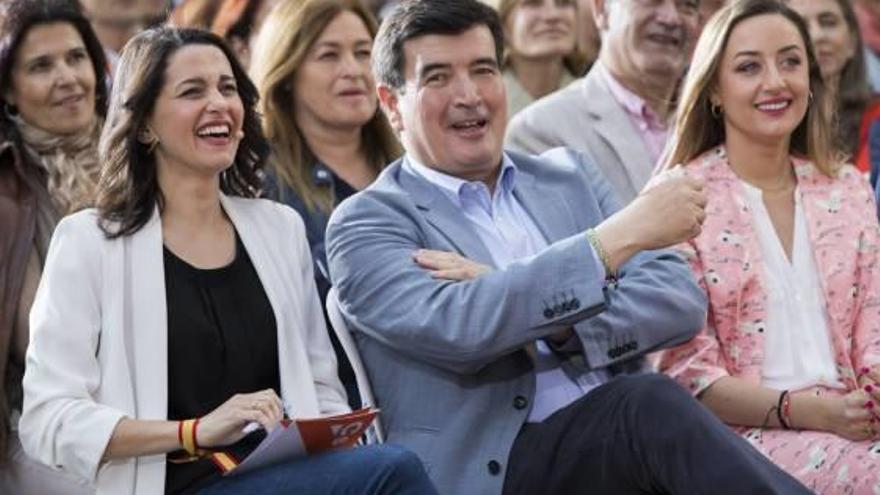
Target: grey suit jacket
[
  {"x": 585, "y": 116},
  {"x": 446, "y": 359}
]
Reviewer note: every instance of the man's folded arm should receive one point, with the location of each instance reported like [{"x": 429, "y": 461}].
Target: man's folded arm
[{"x": 461, "y": 326}]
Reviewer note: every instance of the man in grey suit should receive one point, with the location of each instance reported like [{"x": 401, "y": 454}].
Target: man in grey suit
[
  {"x": 503, "y": 304},
  {"x": 618, "y": 113}
]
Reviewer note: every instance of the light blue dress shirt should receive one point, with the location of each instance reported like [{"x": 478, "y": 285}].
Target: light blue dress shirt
[{"x": 509, "y": 234}]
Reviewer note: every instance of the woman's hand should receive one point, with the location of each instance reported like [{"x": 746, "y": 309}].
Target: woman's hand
[
  {"x": 223, "y": 426},
  {"x": 849, "y": 416},
  {"x": 448, "y": 265}
]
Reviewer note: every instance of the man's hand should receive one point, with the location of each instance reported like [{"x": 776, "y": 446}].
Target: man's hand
[
  {"x": 448, "y": 265},
  {"x": 662, "y": 215}
]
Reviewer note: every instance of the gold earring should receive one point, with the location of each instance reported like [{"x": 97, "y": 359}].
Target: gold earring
[
  {"x": 149, "y": 139},
  {"x": 715, "y": 110}
]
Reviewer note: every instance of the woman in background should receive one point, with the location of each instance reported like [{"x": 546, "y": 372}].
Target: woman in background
[
  {"x": 542, "y": 54},
  {"x": 236, "y": 21},
  {"x": 834, "y": 32},
  {"x": 52, "y": 70},
  {"x": 788, "y": 254},
  {"x": 321, "y": 116}
]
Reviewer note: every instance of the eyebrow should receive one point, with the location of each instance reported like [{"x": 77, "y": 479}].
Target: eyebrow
[
  {"x": 485, "y": 61},
  {"x": 755, "y": 52},
  {"x": 480, "y": 61},
  {"x": 201, "y": 80},
  {"x": 432, "y": 67},
  {"x": 49, "y": 56},
  {"x": 336, "y": 44}
]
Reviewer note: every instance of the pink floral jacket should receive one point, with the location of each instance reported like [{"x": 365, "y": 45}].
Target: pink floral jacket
[{"x": 727, "y": 261}]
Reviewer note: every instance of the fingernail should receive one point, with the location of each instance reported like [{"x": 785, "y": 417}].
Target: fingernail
[
  {"x": 869, "y": 405},
  {"x": 865, "y": 370},
  {"x": 869, "y": 388}
]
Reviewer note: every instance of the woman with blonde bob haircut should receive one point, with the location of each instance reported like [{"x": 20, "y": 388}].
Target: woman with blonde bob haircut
[
  {"x": 788, "y": 254},
  {"x": 320, "y": 115}
]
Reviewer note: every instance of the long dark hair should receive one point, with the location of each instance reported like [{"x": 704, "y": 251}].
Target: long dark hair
[
  {"x": 853, "y": 92},
  {"x": 129, "y": 190},
  {"x": 17, "y": 17}
]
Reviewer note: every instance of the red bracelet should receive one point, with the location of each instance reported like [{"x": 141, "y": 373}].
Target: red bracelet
[
  {"x": 780, "y": 410},
  {"x": 786, "y": 410}
]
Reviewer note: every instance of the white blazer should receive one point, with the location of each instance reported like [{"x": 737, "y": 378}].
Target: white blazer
[{"x": 98, "y": 349}]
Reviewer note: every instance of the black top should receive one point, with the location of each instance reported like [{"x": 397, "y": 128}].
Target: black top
[
  {"x": 315, "y": 221},
  {"x": 222, "y": 340}
]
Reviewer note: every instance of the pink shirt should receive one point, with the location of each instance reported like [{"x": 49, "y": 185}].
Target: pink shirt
[
  {"x": 729, "y": 263},
  {"x": 652, "y": 128}
]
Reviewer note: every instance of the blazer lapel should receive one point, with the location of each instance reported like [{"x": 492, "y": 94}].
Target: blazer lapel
[
  {"x": 614, "y": 126},
  {"x": 292, "y": 372},
  {"x": 147, "y": 344},
  {"x": 550, "y": 214},
  {"x": 445, "y": 216},
  {"x": 820, "y": 201}
]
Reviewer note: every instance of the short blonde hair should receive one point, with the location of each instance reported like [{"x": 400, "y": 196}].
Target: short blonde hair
[{"x": 697, "y": 130}]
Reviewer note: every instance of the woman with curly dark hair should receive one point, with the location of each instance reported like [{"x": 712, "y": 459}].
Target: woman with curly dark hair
[{"x": 181, "y": 309}]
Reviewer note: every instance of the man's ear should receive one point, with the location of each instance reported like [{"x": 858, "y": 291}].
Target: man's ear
[
  {"x": 600, "y": 13},
  {"x": 390, "y": 102}
]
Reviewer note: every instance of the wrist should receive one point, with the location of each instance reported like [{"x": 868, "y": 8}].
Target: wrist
[
  {"x": 618, "y": 243},
  {"x": 809, "y": 412},
  {"x": 187, "y": 434}
]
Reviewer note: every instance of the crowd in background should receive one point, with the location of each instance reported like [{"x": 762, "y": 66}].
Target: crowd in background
[{"x": 103, "y": 211}]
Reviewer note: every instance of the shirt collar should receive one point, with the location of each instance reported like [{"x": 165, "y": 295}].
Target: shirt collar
[
  {"x": 455, "y": 187},
  {"x": 634, "y": 104}
]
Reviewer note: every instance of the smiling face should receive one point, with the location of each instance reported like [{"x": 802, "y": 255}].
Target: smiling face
[
  {"x": 833, "y": 40},
  {"x": 763, "y": 81},
  {"x": 53, "y": 79},
  {"x": 451, "y": 111},
  {"x": 647, "y": 37},
  {"x": 198, "y": 113},
  {"x": 542, "y": 28},
  {"x": 334, "y": 86}
]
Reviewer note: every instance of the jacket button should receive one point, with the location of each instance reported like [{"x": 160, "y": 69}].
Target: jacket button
[
  {"x": 494, "y": 467},
  {"x": 520, "y": 402},
  {"x": 548, "y": 313}
]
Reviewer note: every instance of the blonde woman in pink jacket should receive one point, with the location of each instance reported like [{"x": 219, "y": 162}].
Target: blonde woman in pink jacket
[{"x": 788, "y": 254}]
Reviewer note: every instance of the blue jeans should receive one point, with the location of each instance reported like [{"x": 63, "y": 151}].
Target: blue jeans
[{"x": 374, "y": 470}]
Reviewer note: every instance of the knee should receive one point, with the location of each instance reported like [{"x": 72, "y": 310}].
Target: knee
[
  {"x": 660, "y": 394},
  {"x": 397, "y": 459},
  {"x": 397, "y": 470}
]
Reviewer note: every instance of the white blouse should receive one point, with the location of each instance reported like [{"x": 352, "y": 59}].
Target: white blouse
[{"x": 797, "y": 345}]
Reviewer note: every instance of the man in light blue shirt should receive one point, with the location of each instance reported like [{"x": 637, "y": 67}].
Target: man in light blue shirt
[{"x": 503, "y": 303}]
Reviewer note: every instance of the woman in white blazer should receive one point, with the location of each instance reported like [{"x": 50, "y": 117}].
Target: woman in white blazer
[{"x": 180, "y": 298}]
